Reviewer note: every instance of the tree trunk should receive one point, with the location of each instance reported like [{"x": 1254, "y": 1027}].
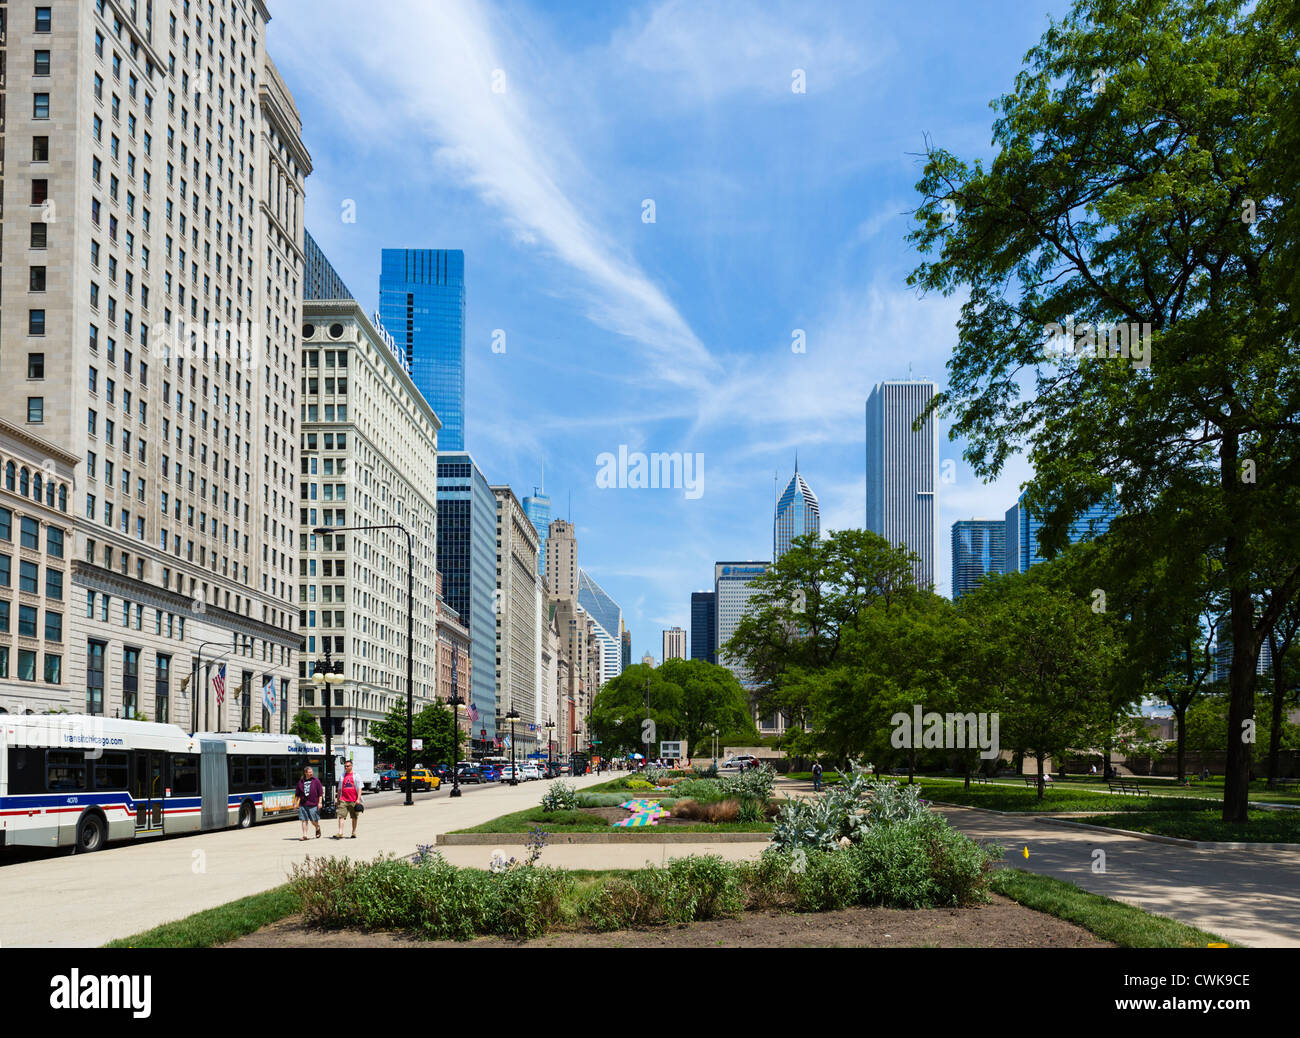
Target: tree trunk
[
  {"x": 1181, "y": 717},
  {"x": 1039, "y": 760},
  {"x": 1245, "y": 649},
  {"x": 1275, "y": 732}
]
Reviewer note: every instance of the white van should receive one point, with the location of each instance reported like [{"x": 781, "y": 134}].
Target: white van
[{"x": 363, "y": 765}]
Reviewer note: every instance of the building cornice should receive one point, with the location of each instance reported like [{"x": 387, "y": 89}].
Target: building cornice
[{"x": 18, "y": 432}]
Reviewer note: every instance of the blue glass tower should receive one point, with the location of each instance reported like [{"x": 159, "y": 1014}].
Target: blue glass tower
[
  {"x": 1021, "y": 532},
  {"x": 538, "y": 509},
  {"x": 467, "y": 559},
  {"x": 422, "y": 304},
  {"x": 704, "y": 629},
  {"x": 797, "y": 514},
  {"x": 978, "y": 548}
]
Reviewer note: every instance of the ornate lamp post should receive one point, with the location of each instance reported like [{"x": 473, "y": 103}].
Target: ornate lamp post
[
  {"x": 328, "y": 673},
  {"x": 550, "y": 731},
  {"x": 512, "y": 716},
  {"x": 454, "y": 701}
]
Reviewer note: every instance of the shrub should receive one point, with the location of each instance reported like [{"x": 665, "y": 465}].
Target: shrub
[
  {"x": 326, "y": 889},
  {"x": 701, "y": 887},
  {"x": 522, "y": 901},
  {"x": 750, "y": 811},
  {"x": 757, "y": 783},
  {"x": 711, "y": 772},
  {"x": 921, "y": 863},
  {"x": 706, "y": 791},
  {"x": 615, "y": 800},
  {"x": 828, "y": 881},
  {"x": 848, "y": 809},
  {"x": 637, "y": 784},
  {"x": 561, "y": 796},
  {"x": 718, "y": 811}
]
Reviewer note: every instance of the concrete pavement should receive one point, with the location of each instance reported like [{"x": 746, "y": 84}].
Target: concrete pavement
[
  {"x": 86, "y": 899},
  {"x": 1249, "y": 897}
]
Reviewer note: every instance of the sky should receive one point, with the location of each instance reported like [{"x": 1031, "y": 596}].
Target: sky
[{"x": 655, "y": 217}]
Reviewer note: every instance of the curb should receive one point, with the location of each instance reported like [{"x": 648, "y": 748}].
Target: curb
[
  {"x": 1174, "y": 841},
  {"x": 520, "y": 839}
]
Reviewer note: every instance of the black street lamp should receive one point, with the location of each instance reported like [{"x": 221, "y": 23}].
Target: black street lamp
[
  {"x": 330, "y": 673},
  {"x": 550, "y": 731},
  {"x": 455, "y": 702},
  {"x": 410, "y": 634},
  {"x": 512, "y": 716}
]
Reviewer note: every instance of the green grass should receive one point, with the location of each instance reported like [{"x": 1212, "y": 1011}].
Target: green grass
[
  {"x": 217, "y": 925},
  {"x": 1055, "y": 801},
  {"x": 579, "y": 822},
  {"x": 1110, "y": 920},
  {"x": 1260, "y": 827}
]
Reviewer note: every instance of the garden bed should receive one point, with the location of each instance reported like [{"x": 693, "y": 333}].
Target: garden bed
[{"x": 600, "y": 820}]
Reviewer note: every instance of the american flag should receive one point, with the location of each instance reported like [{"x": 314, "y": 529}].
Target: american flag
[
  {"x": 219, "y": 683},
  {"x": 473, "y": 713}
]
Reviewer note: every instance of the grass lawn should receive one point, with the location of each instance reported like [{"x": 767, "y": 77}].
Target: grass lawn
[
  {"x": 217, "y": 925},
  {"x": 580, "y": 822},
  {"x": 1057, "y": 799},
  {"x": 1114, "y": 921},
  {"x": 1261, "y": 826}
]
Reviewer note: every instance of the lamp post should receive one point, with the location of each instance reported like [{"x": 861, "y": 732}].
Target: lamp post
[
  {"x": 410, "y": 632},
  {"x": 454, "y": 701},
  {"x": 195, "y": 664},
  {"x": 328, "y": 672},
  {"x": 550, "y": 731},
  {"x": 511, "y": 717},
  {"x": 577, "y": 746}
]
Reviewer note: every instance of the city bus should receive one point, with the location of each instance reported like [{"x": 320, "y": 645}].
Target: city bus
[{"x": 80, "y": 781}]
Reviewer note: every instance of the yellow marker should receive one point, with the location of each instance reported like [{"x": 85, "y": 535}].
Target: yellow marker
[
  {"x": 1216, "y": 945},
  {"x": 1026, "y": 851}
]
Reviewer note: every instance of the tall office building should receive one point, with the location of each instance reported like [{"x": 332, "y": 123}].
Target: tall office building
[
  {"x": 321, "y": 280},
  {"x": 978, "y": 548},
  {"x": 1021, "y": 533},
  {"x": 704, "y": 626},
  {"x": 467, "y": 530},
  {"x": 368, "y": 442},
  {"x": 675, "y": 644},
  {"x": 627, "y": 648},
  {"x": 537, "y": 506},
  {"x": 797, "y": 514},
  {"x": 732, "y": 589},
  {"x": 562, "y": 559},
  {"x": 152, "y": 286},
  {"x": 903, "y": 472},
  {"x": 1223, "y": 653},
  {"x": 518, "y": 628},
  {"x": 609, "y": 622},
  {"x": 422, "y": 304}
]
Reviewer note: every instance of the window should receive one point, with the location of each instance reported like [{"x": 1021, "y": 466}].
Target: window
[
  {"x": 36, "y": 279},
  {"x": 40, "y": 149},
  {"x": 35, "y": 322},
  {"x": 4, "y": 616},
  {"x": 40, "y": 191},
  {"x": 29, "y": 578},
  {"x": 162, "y": 682},
  {"x": 40, "y": 106},
  {"x": 53, "y": 626},
  {"x": 27, "y": 622},
  {"x": 31, "y": 529},
  {"x": 54, "y": 584},
  {"x": 42, "y": 19},
  {"x": 6, "y": 524},
  {"x": 42, "y": 63},
  {"x": 4, "y": 571},
  {"x": 95, "y": 678},
  {"x": 36, "y": 409},
  {"x": 39, "y": 236},
  {"x": 65, "y": 770}
]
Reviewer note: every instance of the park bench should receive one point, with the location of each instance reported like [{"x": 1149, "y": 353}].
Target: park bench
[
  {"x": 1283, "y": 783},
  {"x": 1119, "y": 785},
  {"x": 1032, "y": 782},
  {"x": 981, "y": 778}
]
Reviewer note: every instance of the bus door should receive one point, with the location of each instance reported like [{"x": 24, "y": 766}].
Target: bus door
[{"x": 148, "y": 787}]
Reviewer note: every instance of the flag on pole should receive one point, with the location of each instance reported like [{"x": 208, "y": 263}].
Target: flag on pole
[
  {"x": 268, "y": 695},
  {"x": 219, "y": 684},
  {"x": 473, "y": 713}
]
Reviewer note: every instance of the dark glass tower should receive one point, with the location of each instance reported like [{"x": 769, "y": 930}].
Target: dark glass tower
[
  {"x": 978, "y": 548},
  {"x": 422, "y": 305},
  {"x": 704, "y": 626}
]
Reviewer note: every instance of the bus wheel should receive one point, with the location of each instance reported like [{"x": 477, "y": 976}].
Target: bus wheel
[
  {"x": 247, "y": 814},
  {"x": 90, "y": 833}
]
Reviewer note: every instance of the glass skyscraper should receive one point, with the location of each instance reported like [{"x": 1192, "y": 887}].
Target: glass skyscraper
[
  {"x": 609, "y": 622},
  {"x": 467, "y": 559},
  {"x": 797, "y": 513},
  {"x": 1022, "y": 550},
  {"x": 538, "y": 509},
  {"x": 978, "y": 548},
  {"x": 704, "y": 626},
  {"x": 422, "y": 305}
]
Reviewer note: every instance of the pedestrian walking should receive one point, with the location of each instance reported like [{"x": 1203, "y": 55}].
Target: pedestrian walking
[
  {"x": 349, "y": 799},
  {"x": 817, "y": 776},
  {"x": 307, "y": 800}
]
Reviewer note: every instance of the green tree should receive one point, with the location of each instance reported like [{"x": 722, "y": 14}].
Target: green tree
[
  {"x": 1137, "y": 180},
  {"x": 305, "y": 727},
  {"x": 711, "y": 700},
  {"x": 433, "y": 724}
]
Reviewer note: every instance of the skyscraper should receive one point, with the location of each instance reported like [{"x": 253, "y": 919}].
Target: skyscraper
[
  {"x": 320, "y": 280},
  {"x": 675, "y": 644},
  {"x": 704, "y": 626},
  {"x": 903, "y": 472},
  {"x": 609, "y": 622},
  {"x": 422, "y": 305},
  {"x": 1021, "y": 533},
  {"x": 978, "y": 548},
  {"x": 518, "y": 630},
  {"x": 537, "y": 507},
  {"x": 732, "y": 592},
  {"x": 627, "y": 648},
  {"x": 467, "y": 530},
  {"x": 797, "y": 514}
]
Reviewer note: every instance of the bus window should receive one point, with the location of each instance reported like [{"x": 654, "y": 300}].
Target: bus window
[
  {"x": 25, "y": 774},
  {"x": 238, "y": 774},
  {"x": 257, "y": 772},
  {"x": 279, "y": 773},
  {"x": 185, "y": 775},
  {"x": 111, "y": 770},
  {"x": 65, "y": 771}
]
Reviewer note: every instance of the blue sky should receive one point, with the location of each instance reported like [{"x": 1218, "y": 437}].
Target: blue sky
[{"x": 774, "y": 211}]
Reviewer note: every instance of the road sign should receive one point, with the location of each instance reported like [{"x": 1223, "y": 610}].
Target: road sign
[
  {"x": 671, "y": 750},
  {"x": 417, "y": 744}
]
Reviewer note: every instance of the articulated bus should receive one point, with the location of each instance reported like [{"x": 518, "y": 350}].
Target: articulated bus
[{"x": 79, "y": 781}]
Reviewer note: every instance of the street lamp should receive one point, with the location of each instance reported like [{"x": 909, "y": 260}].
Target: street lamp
[
  {"x": 577, "y": 748},
  {"x": 328, "y": 672},
  {"x": 454, "y": 701},
  {"x": 511, "y": 717},
  {"x": 550, "y": 731},
  {"x": 410, "y": 633}
]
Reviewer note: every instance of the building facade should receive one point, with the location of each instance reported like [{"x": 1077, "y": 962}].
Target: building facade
[
  {"x": 797, "y": 514},
  {"x": 322, "y": 281},
  {"x": 537, "y": 506},
  {"x": 704, "y": 626},
  {"x": 627, "y": 648},
  {"x": 518, "y": 627},
  {"x": 422, "y": 303},
  {"x": 455, "y": 665},
  {"x": 369, "y": 443},
  {"x": 562, "y": 559},
  {"x": 608, "y": 616},
  {"x": 978, "y": 549},
  {"x": 674, "y": 644},
  {"x": 152, "y": 294},
  {"x": 467, "y": 528},
  {"x": 903, "y": 473},
  {"x": 1021, "y": 533}
]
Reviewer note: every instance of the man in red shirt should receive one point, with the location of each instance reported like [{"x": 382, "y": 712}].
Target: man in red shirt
[{"x": 349, "y": 798}]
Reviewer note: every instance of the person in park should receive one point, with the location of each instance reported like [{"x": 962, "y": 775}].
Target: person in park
[
  {"x": 349, "y": 799},
  {"x": 817, "y": 776},
  {"x": 307, "y": 800}
]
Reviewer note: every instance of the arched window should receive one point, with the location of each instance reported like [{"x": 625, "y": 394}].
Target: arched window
[
  {"x": 9, "y": 475},
  {"x": 37, "y": 487},
  {"x": 49, "y": 493},
  {"x": 63, "y": 498},
  {"x": 24, "y": 481}
]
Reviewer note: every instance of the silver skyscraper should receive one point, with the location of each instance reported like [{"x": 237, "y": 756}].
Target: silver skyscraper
[{"x": 903, "y": 472}]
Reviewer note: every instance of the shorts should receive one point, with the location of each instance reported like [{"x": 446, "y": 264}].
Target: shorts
[
  {"x": 347, "y": 810},
  {"x": 308, "y": 814}
]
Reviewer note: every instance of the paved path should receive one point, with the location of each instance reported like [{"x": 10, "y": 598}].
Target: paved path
[
  {"x": 1249, "y": 897},
  {"x": 86, "y": 899}
]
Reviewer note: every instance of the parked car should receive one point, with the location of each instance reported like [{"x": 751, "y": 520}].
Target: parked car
[
  {"x": 744, "y": 759},
  {"x": 443, "y": 771},
  {"x": 552, "y": 769},
  {"x": 491, "y": 772},
  {"x": 469, "y": 773},
  {"x": 389, "y": 778},
  {"x": 532, "y": 771},
  {"x": 421, "y": 779}
]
